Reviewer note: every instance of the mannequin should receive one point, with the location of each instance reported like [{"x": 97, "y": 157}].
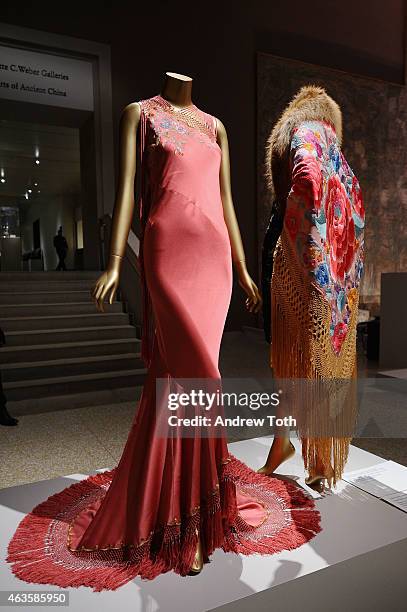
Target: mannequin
[
  {"x": 177, "y": 90},
  {"x": 317, "y": 202}
]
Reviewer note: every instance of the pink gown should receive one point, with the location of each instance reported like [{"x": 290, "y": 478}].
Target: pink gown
[{"x": 144, "y": 516}]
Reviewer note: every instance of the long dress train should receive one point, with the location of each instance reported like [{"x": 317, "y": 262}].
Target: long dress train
[{"x": 145, "y": 516}]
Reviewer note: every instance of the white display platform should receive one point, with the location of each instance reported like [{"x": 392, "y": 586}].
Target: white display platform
[{"x": 357, "y": 562}]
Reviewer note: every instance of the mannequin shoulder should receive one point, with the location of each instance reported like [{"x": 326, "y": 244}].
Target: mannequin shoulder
[
  {"x": 220, "y": 128},
  {"x": 221, "y": 134},
  {"x": 131, "y": 114}
]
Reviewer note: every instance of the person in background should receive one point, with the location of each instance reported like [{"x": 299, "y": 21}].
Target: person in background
[
  {"x": 61, "y": 247},
  {"x": 5, "y": 417}
]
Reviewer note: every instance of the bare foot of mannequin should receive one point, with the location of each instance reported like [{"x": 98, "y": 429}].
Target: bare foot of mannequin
[{"x": 281, "y": 450}]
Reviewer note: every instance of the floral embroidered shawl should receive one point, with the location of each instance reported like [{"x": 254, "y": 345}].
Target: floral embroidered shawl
[
  {"x": 324, "y": 223},
  {"x": 318, "y": 262}
]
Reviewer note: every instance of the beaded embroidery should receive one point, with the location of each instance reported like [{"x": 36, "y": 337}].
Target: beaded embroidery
[{"x": 173, "y": 127}]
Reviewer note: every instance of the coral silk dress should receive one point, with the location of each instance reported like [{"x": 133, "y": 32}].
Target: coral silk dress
[{"x": 144, "y": 516}]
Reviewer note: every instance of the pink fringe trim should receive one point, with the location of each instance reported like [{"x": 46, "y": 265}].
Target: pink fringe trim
[{"x": 38, "y": 552}]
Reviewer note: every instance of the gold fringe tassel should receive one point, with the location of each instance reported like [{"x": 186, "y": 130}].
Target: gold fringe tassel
[{"x": 302, "y": 349}]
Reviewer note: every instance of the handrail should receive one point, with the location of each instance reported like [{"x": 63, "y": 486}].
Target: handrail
[{"x": 134, "y": 243}]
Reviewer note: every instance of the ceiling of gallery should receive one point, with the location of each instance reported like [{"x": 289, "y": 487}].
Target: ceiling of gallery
[{"x": 42, "y": 158}]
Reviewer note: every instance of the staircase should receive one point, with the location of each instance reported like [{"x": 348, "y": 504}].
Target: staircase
[{"x": 60, "y": 351}]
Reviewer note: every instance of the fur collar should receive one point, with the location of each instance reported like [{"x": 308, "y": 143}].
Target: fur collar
[{"x": 311, "y": 103}]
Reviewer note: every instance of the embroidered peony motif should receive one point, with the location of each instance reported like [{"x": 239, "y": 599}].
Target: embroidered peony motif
[
  {"x": 340, "y": 230},
  {"x": 326, "y": 218}
]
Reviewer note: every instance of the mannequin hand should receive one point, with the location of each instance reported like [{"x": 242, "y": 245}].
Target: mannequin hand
[
  {"x": 106, "y": 286},
  {"x": 253, "y": 300}
]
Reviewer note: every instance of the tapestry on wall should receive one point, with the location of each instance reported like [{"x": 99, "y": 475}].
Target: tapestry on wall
[{"x": 374, "y": 137}]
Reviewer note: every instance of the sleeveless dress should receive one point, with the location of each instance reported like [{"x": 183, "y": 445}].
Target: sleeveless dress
[{"x": 144, "y": 516}]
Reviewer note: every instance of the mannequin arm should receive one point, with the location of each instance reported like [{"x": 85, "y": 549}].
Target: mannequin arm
[
  {"x": 108, "y": 282},
  {"x": 253, "y": 301}
]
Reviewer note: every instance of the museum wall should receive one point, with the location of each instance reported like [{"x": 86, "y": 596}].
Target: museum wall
[{"x": 216, "y": 43}]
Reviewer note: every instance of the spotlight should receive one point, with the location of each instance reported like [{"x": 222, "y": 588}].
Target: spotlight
[
  {"x": 35, "y": 184},
  {"x": 26, "y": 195},
  {"x": 29, "y": 190},
  {"x": 37, "y": 161},
  {"x": 3, "y": 180},
  {"x": 38, "y": 191}
]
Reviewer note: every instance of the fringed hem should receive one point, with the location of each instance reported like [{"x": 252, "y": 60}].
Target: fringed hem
[
  {"x": 302, "y": 349},
  {"x": 38, "y": 551},
  {"x": 292, "y": 519}
]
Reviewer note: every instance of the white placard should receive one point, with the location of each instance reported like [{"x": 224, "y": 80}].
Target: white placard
[
  {"x": 42, "y": 78},
  {"x": 386, "y": 480}
]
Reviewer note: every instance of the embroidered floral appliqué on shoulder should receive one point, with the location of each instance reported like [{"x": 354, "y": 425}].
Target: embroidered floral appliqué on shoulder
[
  {"x": 173, "y": 127},
  {"x": 169, "y": 131}
]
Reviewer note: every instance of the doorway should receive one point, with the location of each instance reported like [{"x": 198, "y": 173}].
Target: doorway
[
  {"x": 56, "y": 148},
  {"x": 42, "y": 182}
]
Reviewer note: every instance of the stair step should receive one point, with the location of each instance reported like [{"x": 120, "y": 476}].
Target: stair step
[
  {"x": 68, "y": 350},
  {"x": 60, "y": 351},
  {"x": 57, "y": 322},
  {"x": 50, "y": 276},
  {"x": 14, "y": 372},
  {"x": 54, "y": 336},
  {"x": 100, "y": 397},
  {"x": 45, "y": 297},
  {"x": 64, "y": 385},
  {"x": 70, "y": 308},
  {"x": 45, "y": 285}
]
